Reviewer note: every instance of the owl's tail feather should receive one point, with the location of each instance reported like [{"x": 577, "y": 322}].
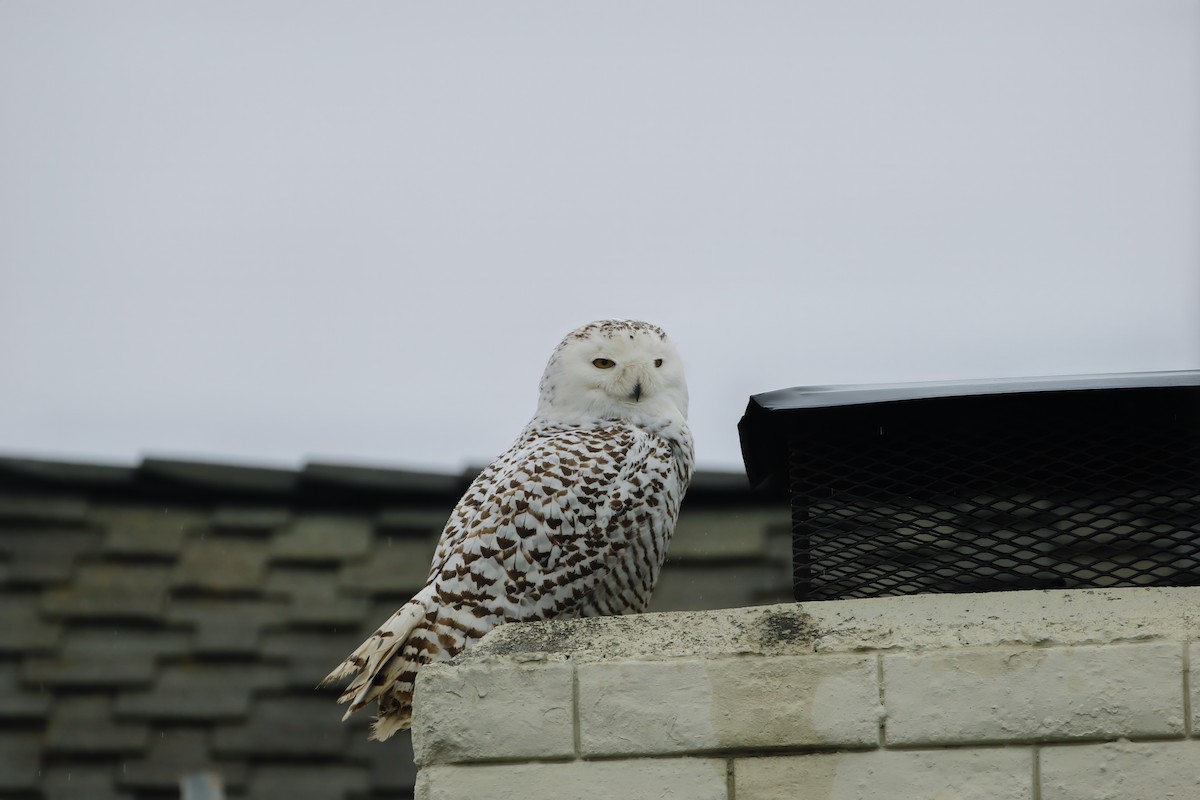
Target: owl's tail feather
[
  {"x": 373, "y": 676},
  {"x": 386, "y": 725}
]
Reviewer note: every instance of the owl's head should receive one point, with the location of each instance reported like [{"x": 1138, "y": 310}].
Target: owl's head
[{"x": 614, "y": 369}]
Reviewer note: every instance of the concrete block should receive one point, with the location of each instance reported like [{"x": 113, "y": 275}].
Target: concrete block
[
  {"x": 493, "y": 711},
  {"x": 658, "y": 778},
  {"x": 1121, "y": 771},
  {"x": 1034, "y": 694},
  {"x": 732, "y": 703},
  {"x": 963, "y": 774},
  {"x": 1069, "y": 617}
]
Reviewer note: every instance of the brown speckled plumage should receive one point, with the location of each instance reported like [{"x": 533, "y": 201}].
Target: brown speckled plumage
[{"x": 572, "y": 520}]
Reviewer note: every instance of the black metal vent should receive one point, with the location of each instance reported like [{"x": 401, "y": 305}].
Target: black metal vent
[{"x": 1035, "y": 486}]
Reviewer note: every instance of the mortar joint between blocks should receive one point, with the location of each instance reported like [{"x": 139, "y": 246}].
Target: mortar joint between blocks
[
  {"x": 575, "y": 713},
  {"x": 1035, "y": 793},
  {"x": 882, "y": 704},
  {"x": 1188, "y": 728}
]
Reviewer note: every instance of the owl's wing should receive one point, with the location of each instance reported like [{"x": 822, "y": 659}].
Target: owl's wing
[
  {"x": 463, "y": 519},
  {"x": 563, "y": 524},
  {"x": 559, "y": 516}
]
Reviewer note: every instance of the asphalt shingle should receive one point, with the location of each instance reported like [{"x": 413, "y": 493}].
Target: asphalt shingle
[
  {"x": 22, "y": 629},
  {"x": 391, "y": 481},
  {"x": 723, "y": 535},
  {"x": 109, "y": 656},
  {"x": 417, "y": 523},
  {"x": 19, "y": 754},
  {"x": 174, "y": 752},
  {"x": 111, "y": 591},
  {"x": 41, "y": 555},
  {"x": 220, "y": 477},
  {"x": 19, "y": 702},
  {"x": 312, "y": 597},
  {"x": 263, "y": 519},
  {"x": 309, "y": 782},
  {"x": 395, "y": 566},
  {"x": 147, "y": 530},
  {"x": 322, "y": 537},
  {"x": 390, "y": 762},
  {"x": 337, "y": 613},
  {"x": 54, "y": 473},
  {"x": 226, "y": 627},
  {"x": 199, "y": 692},
  {"x": 46, "y": 508},
  {"x": 84, "y": 725},
  {"x": 683, "y": 588},
  {"x": 81, "y": 782},
  {"x": 220, "y": 564},
  {"x": 286, "y": 727},
  {"x": 308, "y": 656}
]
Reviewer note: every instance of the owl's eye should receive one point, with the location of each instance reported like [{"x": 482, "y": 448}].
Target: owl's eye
[
  {"x": 603, "y": 363},
  {"x": 658, "y": 362}
]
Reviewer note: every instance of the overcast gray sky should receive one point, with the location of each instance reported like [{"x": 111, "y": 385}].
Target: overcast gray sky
[{"x": 271, "y": 232}]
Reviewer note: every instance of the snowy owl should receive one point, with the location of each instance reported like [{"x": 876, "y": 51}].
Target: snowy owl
[{"x": 572, "y": 520}]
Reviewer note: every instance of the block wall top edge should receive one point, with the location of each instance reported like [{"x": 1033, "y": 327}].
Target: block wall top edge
[{"x": 1066, "y": 617}]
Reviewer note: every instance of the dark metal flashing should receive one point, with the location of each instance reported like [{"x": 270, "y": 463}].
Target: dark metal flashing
[
  {"x": 773, "y": 419},
  {"x": 800, "y": 397}
]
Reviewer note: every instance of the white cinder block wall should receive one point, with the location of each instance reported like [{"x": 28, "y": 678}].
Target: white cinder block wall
[{"x": 1060, "y": 695}]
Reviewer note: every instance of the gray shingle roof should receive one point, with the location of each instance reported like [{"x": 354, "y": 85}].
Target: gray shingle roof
[{"x": 174, "y": 617}]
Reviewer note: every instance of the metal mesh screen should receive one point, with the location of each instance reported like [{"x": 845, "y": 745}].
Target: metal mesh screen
[{"x": 1054, "y": 502}]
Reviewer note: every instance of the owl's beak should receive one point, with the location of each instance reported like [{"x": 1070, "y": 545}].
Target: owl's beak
[{"x": 637, "y": 392}]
